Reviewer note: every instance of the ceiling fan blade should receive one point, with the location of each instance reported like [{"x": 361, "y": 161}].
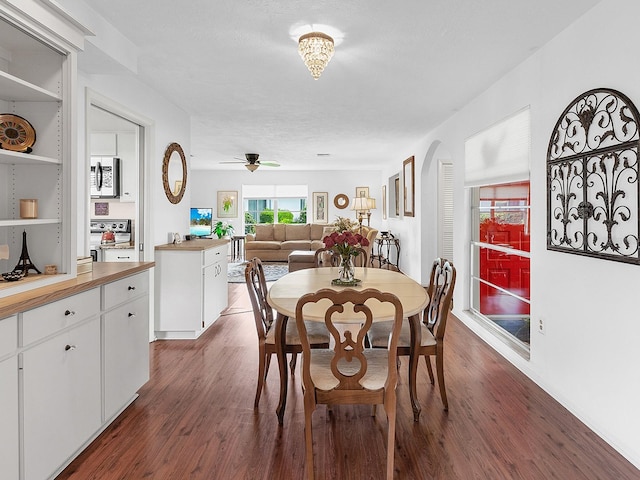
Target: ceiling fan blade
[
  {"x": 240, "y": 162},
  {"x": 270, "y": 164}
]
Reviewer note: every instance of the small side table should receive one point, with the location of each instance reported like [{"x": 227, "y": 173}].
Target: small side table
[
  {"x": 385, "y": 244},
  {"x": 237, "y": 247}
]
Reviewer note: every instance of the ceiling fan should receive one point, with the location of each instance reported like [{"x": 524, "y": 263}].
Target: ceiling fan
[{"x": 252, "y": 163}]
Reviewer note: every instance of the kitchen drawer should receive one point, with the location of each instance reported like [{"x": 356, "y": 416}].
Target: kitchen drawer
[
  {"x": 119, "y": 255},
  {"x": 214, "y": 255},
  {"x": 43, "y": 321},
  {"x": 8, "y": 335},
  {"x": 123, "y": 290}
]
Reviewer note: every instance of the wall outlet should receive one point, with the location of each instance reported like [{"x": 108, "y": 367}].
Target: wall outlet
[{"x": 541, "y": 326}]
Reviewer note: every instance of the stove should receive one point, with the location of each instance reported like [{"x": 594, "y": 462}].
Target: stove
[{"x": 121, "y": 229}]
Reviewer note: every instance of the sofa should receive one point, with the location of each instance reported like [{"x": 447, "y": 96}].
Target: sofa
[{"x": 274, "y": 242}]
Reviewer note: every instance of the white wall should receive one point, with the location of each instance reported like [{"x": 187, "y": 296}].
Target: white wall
[
  {"x": 169, "y": 124},
  {"x": 206, "y": 183},
  {"x": 588, "y": 358}
]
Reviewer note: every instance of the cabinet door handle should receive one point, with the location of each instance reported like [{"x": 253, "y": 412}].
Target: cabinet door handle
[
  {"x": 69, "y": 312},
  {"x": 70, "y": 347},
  {"x": 131, "y": 288},
  {"x": 131, "y": 315}
]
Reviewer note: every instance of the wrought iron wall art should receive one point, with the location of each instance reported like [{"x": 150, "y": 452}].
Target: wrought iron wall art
[{"x": 593, "y": 192}]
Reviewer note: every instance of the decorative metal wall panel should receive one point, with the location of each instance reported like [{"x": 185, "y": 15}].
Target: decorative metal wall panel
[{"x": 593, "y": 203}]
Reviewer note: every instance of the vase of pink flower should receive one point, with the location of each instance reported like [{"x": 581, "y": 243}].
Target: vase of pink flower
[{"x": 346, "y": 245}]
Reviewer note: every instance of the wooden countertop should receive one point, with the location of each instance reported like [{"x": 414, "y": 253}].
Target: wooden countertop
[
  {"x": 194, "y": 245},
  {"x": 103, "y": 272}
]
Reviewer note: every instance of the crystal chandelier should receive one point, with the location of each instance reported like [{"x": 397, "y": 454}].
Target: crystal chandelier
[{"x": 316, "y": 49}]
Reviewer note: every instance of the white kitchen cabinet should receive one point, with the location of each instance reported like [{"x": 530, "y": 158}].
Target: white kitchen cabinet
[
  {"x": 128, "y": 152},
  {"x": 69, "y": 365},
  {"x": 191, "y": 287},
  {"x": 9, "y": 437},
  {"x": 125, "y": 341},
  {"x": 215, "y": 288},
  {"x": 104, "y": 145},
  {"x": 62, "y": 397},
  {"x": 119, "y": 255},
  {"x": 39, "y": 87},
  {"x": 126, "y": 354}
]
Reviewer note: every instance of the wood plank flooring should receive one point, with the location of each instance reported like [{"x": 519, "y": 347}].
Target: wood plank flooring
[{"x": 195, "y": 420}]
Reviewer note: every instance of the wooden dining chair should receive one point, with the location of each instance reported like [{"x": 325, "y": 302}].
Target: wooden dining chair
[
  {"x": 264, "y": 320},
  {"x": 432, "y": 327},
  {"x": 349, "y": 373}
]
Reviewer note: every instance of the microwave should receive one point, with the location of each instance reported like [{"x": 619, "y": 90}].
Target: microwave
[{"x": 105, "y": 177}]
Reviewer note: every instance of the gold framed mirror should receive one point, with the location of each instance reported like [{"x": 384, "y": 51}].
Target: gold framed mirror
[
  {"x": 341, "y": 201},
  {"x": 174, "y": 173}
]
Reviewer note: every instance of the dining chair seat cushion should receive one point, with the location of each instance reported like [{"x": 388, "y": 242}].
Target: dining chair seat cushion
[
  {"x": 379, "y": 335},
  {"x": 374, "y": 378},
  {"x": 316, "y": 332}
]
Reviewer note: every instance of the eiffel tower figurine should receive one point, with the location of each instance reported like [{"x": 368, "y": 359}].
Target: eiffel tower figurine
[{"x": 24, "y": 264}]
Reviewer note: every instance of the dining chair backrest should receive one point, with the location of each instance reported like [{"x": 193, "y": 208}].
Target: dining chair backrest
[
  {"x": 326, "y": 257},
  {"x": 349, "y": 358},
  {"x": 257, "y": 287},
  {"x": 361, "y": 260},
  {"x": 440, "y": 291}
]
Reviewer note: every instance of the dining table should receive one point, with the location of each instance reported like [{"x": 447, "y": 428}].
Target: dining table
[{"x": 285, "y": 292}]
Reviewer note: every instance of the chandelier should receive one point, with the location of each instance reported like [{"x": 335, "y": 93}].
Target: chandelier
[{"x": 316, "y": 49}]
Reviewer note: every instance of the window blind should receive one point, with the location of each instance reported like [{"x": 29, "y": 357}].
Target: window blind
[
  {"x": 499, "y": 154},
  {"x": 445, "y": 210}
]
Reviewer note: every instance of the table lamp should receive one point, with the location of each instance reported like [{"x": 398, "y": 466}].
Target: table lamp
[
  {"x": 359, "y": 204},
  {"x": 371, "y": 205}
]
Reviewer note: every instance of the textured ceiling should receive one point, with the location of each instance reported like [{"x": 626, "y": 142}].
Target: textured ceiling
[{"x": 400, "y": 68}]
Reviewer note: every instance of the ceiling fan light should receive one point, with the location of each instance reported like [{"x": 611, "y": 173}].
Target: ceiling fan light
[
  {"x": 316, "y": 50},
  {"x": 252, "y": 167}
]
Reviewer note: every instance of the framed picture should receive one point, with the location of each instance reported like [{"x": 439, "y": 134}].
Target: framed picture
[
  {"x": 408, "y": 184},
  {"x": 102, "y": 208},
  {"x": 362, "y": 192},
  {"x": 396, "y": 183},
  {"x": 384, "y": 202},
  {"x": 320, "y": 207},
  {"x": 227, "y": 204}
]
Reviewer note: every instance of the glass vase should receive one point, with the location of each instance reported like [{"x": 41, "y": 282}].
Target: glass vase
[{"x": 347, "y": 269}]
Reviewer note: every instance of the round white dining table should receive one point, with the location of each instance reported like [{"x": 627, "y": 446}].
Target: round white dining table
[{"x": 285, "y": 292}]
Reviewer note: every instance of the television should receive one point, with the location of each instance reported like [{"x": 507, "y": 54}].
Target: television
[{"x": 200, "y": 222}]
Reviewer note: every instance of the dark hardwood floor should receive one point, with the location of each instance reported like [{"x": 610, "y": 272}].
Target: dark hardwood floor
[{"x": 195, "y": 420}]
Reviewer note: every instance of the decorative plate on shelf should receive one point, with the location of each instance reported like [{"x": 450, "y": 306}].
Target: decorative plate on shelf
[
  {"x": 340, "y": 283},
  {"x": 16, "y": 133}
]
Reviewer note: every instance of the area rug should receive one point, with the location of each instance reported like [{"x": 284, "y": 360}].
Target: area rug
[{"x": 272, "y": 271}]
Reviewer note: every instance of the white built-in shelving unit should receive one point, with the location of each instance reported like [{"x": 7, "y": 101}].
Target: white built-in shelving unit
[{"x": 37, "y": 73}]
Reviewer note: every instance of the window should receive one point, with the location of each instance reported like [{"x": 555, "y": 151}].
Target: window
[
  {"x": 497, "y": 172},
  {"x": 500, "y": 280},
  {"x": 274, "y": 204}
]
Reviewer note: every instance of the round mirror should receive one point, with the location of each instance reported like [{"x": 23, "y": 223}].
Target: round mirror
[
  {"x": 341, "y": 201},
  {"x": 174, "y": 173}
]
